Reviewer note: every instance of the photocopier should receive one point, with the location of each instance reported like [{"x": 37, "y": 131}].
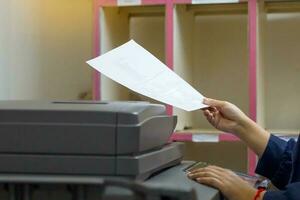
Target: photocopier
[{"x": 110, "y": 144}]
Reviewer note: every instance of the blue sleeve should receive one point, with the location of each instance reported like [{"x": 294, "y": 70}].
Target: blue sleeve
[
  {"x": 291, "y": 192},
  {"x": 276, "y": 161}
]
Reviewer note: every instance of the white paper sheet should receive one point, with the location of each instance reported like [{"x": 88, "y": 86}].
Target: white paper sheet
[{"x": 137, "y": 69}]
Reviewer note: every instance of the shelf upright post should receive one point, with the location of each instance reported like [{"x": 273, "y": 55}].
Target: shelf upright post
[
  {"x": 252, "y": 23},
  {"x": 96, "y": 49},
  {"x": 169, "y": 38}
]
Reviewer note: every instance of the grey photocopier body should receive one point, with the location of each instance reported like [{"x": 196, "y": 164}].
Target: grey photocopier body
[{"x": 87, "y": 142}]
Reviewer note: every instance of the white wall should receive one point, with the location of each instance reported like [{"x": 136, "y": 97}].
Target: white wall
[
  {"x": 211, "y": 53},
  {"x": 43, "y": 48},
  {"x": 145, "y": 25},
  {"x": 4, "y": 18},
  {"x": 149, "y": 31},
  {"x": 183, "y": 57},
  {"x": 221, "y": 60},
  {"x": 282, "y": 71}
]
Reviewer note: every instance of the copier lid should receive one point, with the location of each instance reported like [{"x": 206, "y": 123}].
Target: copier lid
[
  {"x": 83, "y": 128},
  {"x": 68, "y": 111}
]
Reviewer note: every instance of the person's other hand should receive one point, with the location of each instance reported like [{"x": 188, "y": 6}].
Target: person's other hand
[
  {"x": 225, "y": 116},
  {"x": 230, "y": 184}
]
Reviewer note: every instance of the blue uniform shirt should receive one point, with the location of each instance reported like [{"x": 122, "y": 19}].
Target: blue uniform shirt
[{"x": 281, "y": 164}]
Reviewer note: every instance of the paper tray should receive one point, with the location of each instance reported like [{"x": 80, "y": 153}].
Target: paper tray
[{"x": 134, "y": 167}]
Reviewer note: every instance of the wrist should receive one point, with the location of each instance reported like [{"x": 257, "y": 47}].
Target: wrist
[
  {"x": 255, "y": 137},
  {"x": 244, "y": 194},
  {"x": 245, "y": 126},
  {"x": 251, "y": 194}
]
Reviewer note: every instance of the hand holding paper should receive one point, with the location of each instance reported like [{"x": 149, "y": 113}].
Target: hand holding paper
[{"x": 137, "y": 69}]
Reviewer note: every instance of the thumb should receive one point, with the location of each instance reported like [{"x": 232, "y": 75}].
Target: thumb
[{"x": 213, "y": 102}]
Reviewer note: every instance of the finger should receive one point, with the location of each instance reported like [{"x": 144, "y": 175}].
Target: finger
[
  {"x": 206, "y": 174},
  {"x": 212, "y": 119},
  {"x": 214, "y": 109},
  {"x": 216, "y": 113},
  {"x": 218, "y": 168},
  {"x": 211, "y": 181},
  {"x": 213, "y": 102},
  {"x": 212, "y": 115},
  {"x": 222, "y": 171},
  {"x": 208, "y": 170},
  {"x": 208, "y": 117},
  {"x": 206, "y": 112},
  {"x": 209, "y": 110}
]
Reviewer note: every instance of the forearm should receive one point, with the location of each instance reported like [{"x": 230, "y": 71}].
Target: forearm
[{"x": 254, "y": 136}]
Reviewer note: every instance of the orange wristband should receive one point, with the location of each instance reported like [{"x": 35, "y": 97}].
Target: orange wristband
[{"x": 258, "y": 192}]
